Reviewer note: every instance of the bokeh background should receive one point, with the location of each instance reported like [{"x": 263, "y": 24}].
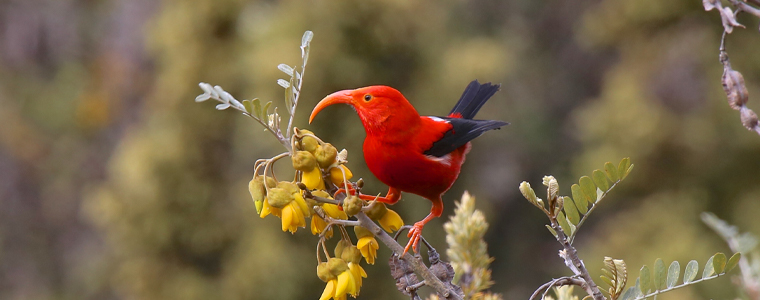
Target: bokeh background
[{"x": 114, "y": 184}]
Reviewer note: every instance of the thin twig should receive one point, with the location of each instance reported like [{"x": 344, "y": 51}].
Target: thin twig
[
  {"x": 416, "y": 263},
  {"x": 562, "y": 281},
  {"x": 571, "y": 258}
]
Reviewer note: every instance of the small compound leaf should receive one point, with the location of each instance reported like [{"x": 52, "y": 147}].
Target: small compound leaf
[
  {"x": 222, "y": 106},
  {"x": 588, "y": 188},
  {"x": 719, "y": 262},
  {"x": 600, "y": 180},
  {"x": 690, "y": 272},
  {"x": 673, "y": 272},
  {"x": 283, "y": 83},
  {"x": 629, "y": 294},
  {"x": 256, "y": 108},
  {"x": 571, "y": 211},
  {"x": 306, "y": 39},
  {"x": 265, "y": 110},
  {"x": 630, "y": 168},
  {"x": 286, "y": 69},
  {"x": 733, "y": 261},
  {"x": 622, "y": 170},
  {"x": 645, "y": 277},
  {"x": 599, "y": 194},
  {"x": 709, "y": 269},
  {"x": 659, "y": 274},
  {"x": 579, "y": 199},
  {"x": 611, "y": 171},
  {"x": 607, "y": 280},
  {"x": 247, "y": 106}
]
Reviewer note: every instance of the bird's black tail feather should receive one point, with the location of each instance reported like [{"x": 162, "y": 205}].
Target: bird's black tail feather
[{"x": 473, "y": 98}]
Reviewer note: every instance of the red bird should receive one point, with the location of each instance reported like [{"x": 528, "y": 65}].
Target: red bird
[{"x": 411, "y": 153}]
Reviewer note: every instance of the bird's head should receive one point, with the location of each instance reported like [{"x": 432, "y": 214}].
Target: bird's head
[{"x": 376, "y": 105}]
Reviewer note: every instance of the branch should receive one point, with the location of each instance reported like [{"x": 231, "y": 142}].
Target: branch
[
  {"x": 562, "y": 281},
  {"x": 416, "y": 263},
  {"x": 570, "y": 255}
]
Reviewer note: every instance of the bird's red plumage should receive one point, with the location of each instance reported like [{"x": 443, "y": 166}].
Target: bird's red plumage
[{"x": 397, "y": 139}]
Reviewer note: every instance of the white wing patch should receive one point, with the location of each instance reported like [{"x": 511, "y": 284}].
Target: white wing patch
[
  {"x": 437, "y": 119},
  {"x": 446, "y": 159}
]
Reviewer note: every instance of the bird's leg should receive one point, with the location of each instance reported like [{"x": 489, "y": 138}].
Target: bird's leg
[
  {"x": 415, "y": 233},
  {"x": 391, "y": 197}
]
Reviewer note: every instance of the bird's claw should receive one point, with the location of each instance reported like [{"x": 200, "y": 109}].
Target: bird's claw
[{"x": 415, "y": 234}]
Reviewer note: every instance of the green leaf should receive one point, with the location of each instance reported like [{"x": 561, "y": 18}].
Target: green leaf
[
  {"x": 256, "y": 108},
  {"x": 607, "y": 280},
  {"x": 588, "y": 188},
  {"x": 673, "y": 272},
  {"x": 600, "y": 180},
  {"x": 709, "y": 269},
  {"x": 690, "y": 272},
  {"x": 719, "y": 262},
  {"x": 628, "y": 171},
  {"x": 645, "y": 276},
  {"x": 623, "y": 167},
  {"x": 579, "y": 199},
  {"x": 554, "y": 233},
  {"x": 733, "y": 261},
  {"x": 286, "y": 69},
  {"x": 571, "y": 210},
  {"x": 265, "y": 110},
  {"x": 659, "y": 274},
  {"x": 611, "y": 171},
  {"x": 562, "y": 220},
  {"x": 247, "y": 106},
  {"x": 630, "y": 294}
]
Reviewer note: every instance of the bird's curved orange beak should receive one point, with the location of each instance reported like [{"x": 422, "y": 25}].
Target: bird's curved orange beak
[{"x": 343, "y": 97}]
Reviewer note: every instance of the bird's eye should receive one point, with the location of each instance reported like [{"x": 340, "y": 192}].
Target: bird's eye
[{"x": 367, "y": 97}]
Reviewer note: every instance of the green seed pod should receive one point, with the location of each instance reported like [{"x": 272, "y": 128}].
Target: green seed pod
[
  {"x": 325, "y": 155},
  {"x": 323, "y": 272},
  {"x": 352, "y": 205},
  {"x": 258, "y": 192},
  {"x": 337, "y": 265},
  {"x": 362, "y": 232},
  {"x": 351, "y": 254},
  {"x": 279, "y": 197},
  {"x": 342, "y": 244},
  {"x": 377, "y": 211},
  {"x": 289, "y": 187},
  {"x": 303, "y": 161}
]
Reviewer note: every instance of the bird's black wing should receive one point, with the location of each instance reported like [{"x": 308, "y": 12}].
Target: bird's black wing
[{"x": 463, "y": 131}]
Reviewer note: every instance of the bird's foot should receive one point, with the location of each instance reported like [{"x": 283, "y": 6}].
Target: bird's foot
[
  {"x": 415, "y": 234},
  {"x": 365, "y": 197}
]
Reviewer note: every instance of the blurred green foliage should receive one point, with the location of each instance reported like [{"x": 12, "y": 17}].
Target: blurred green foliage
[{"x": 115, "y": 184}]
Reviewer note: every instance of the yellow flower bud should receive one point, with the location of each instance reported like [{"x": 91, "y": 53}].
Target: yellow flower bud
[
  {"x": 289, "y": 187},
  {"x": 322, "y": 194},
  {"x": 308, "y": 143},
  {"x": 323, "y": 272},
  {"x": 368, "y": 246},
  {"x": 376, "y": 211},
  {"x": 336, "y": 175},
  {"x": 303, "y": 161},
  {"x": 318, "y": 225},
  {"x": 278, "y": 197},
  {"x": 258, "y": 192},
  {"x": 391, "y": 221},
  {"x": 271, "y": 182},
  {"x": 342, "y": 245},
  {"x": 305, "y": 208},
  {"x": 351, "y": 254},
  {"x": 337, "y": 265},
  {"x": 352, "y": 205},
  {"x": 313, "y": 179},
  {"x": 325, "y": 155}
]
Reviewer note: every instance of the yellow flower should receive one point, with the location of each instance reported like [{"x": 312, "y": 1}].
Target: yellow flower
[
  {"x": 267, "y": 209},
  {"x": 340, "y": 282},
  {"x": 336, "y": 175},
  {"x": 391, "y": 221},
  {"x": 334, "y": 212},
  {"x": 358, "y": 273},
  {"x": 292, "y": 217},
  {"x": 313, "y": 179},
  {"x": 368, "y": 246},
  {"x": 318, "y": 225}
]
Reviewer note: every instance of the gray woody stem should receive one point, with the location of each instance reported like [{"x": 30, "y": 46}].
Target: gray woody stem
[
  {"x": 415, "y": 262},
  {"x": 572, "y": 259}
]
